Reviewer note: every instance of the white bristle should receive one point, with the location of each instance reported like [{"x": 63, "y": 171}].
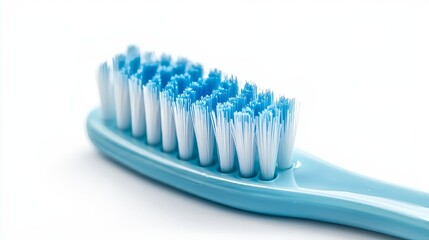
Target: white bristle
[
  {"x": 122, "y": 100},
  {"x": 105, "y": 89},
  {"x": 184, "y": 128},
  {"x": 268, "y": 129},
  {"x": 168, "y": 129},
  {"x": 138, "y": 118},
  {"x": 243, "y": 133},
  {"x": 152, "y": 112},
  {"x": 225, "y": 143},
  {"x": 203, "y": 133},
  {"x": 287, "y": 136}
]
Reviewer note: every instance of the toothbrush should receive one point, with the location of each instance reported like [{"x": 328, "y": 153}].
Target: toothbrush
[{"x": 205, "y": 136}]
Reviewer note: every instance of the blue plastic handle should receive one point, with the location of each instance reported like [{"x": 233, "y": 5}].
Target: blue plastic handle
[{"x": 312, "y": 189}]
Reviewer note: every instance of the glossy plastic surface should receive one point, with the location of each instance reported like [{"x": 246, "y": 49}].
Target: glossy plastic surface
[{"x": 312, "y": 189}]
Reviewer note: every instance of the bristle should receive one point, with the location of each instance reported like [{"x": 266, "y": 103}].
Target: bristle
[
  {"x": 153, "y": 115},
  {"x": 138, "y": 118},
  {"x": 249, "y": 91},
  {"x": 165, "y": 60},
  {"x": 105, "y": 89},
  {"x": 122, "y": 100},
  {"x": 222, "y": 131},
  {"x": 132, "y": 60},
  {"x": 184, "y": 127},
  {"x": 196, "y": 72},
  {"x": 171, "y": 102},
  {"x": 118, "y": 62},
  {"x": 168, "y": 129},
  {"x": 165, "y": 74},
  {"x": 203, "y": 130},
  {"x": 268, "y": 129},
  {"x": 243, "y": 133},
  {"x": 289, "y": 110},
  {"x": 149, "y": 67},
  {"x": 180, "y": 66}
]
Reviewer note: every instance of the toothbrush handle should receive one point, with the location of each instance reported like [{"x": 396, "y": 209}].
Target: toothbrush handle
[{"x": 361, "y": 201}]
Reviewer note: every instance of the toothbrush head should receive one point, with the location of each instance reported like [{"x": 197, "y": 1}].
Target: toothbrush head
[{"x": 208, "y": 117}]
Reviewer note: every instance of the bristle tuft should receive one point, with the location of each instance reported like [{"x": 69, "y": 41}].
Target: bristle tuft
[
  {"x": 168, "y": 128},
  {"x": 268, "y": 129},
  {"x": 184, "y": 127},
  {"x": 153, "y": 115},
  {"x": 203, "y": 130},
  {"x": 122, "y": 100},
  {"x": 243, "y": 133},
  {"x": 105, "y": 89},
  {"x": 289, "y": 110},
  {"x": 138, "y": 118},
  {"x": 222, "y": 130}
]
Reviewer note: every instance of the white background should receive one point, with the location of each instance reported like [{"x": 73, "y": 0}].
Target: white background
[{"x": 359, "y": 68}]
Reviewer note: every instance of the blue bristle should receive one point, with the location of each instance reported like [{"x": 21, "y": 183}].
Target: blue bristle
[
  {"x": 221, "y": 95},
  {"x": 212, "y": 81},
  {"x": 132, "y": 60},
  {"x": 283, "y": 104},
  {"x": 149, "y": 70},
  {"x": 165, "y": 74},
  {"x": 183, "y": 81},
  {"x": 172, "y": 88},
  {"x": 180, "y": 66},
  {"x": 196, "y": 86},
  {"x": 248, "y": 110},
  {"x": 266, "y": 97},
  {"x": 262, "y": 101},
  {"x": 249, "y": 91},
  {"x": 238, "y": 102},
  {"x": 189, "y": 94},
  {"x": 118, "y": 62},
  {"x": 196, "y": 72},
  {"x": 156, "y": 81},
  {"x": 231, "y": 84},
  {"x": 227, "y": 109},
  {"x": 165, "y": 60},
  {"x": 210, "y": 102}
]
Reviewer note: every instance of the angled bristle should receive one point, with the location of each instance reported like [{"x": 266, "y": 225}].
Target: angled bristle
[
  {"x": 289, "y": 110},
  {"x": 122, "y": 100},
  {"x": 153, "y": 115},
  {"x": 268, "y": 129},
  {"x": 243, "y": 133},
  {"x": 138, "y": 118},
  {"x": 168, "y": 128},
  {"x": 184, "y": 127},
  {"x": 105, "y": 89}
]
